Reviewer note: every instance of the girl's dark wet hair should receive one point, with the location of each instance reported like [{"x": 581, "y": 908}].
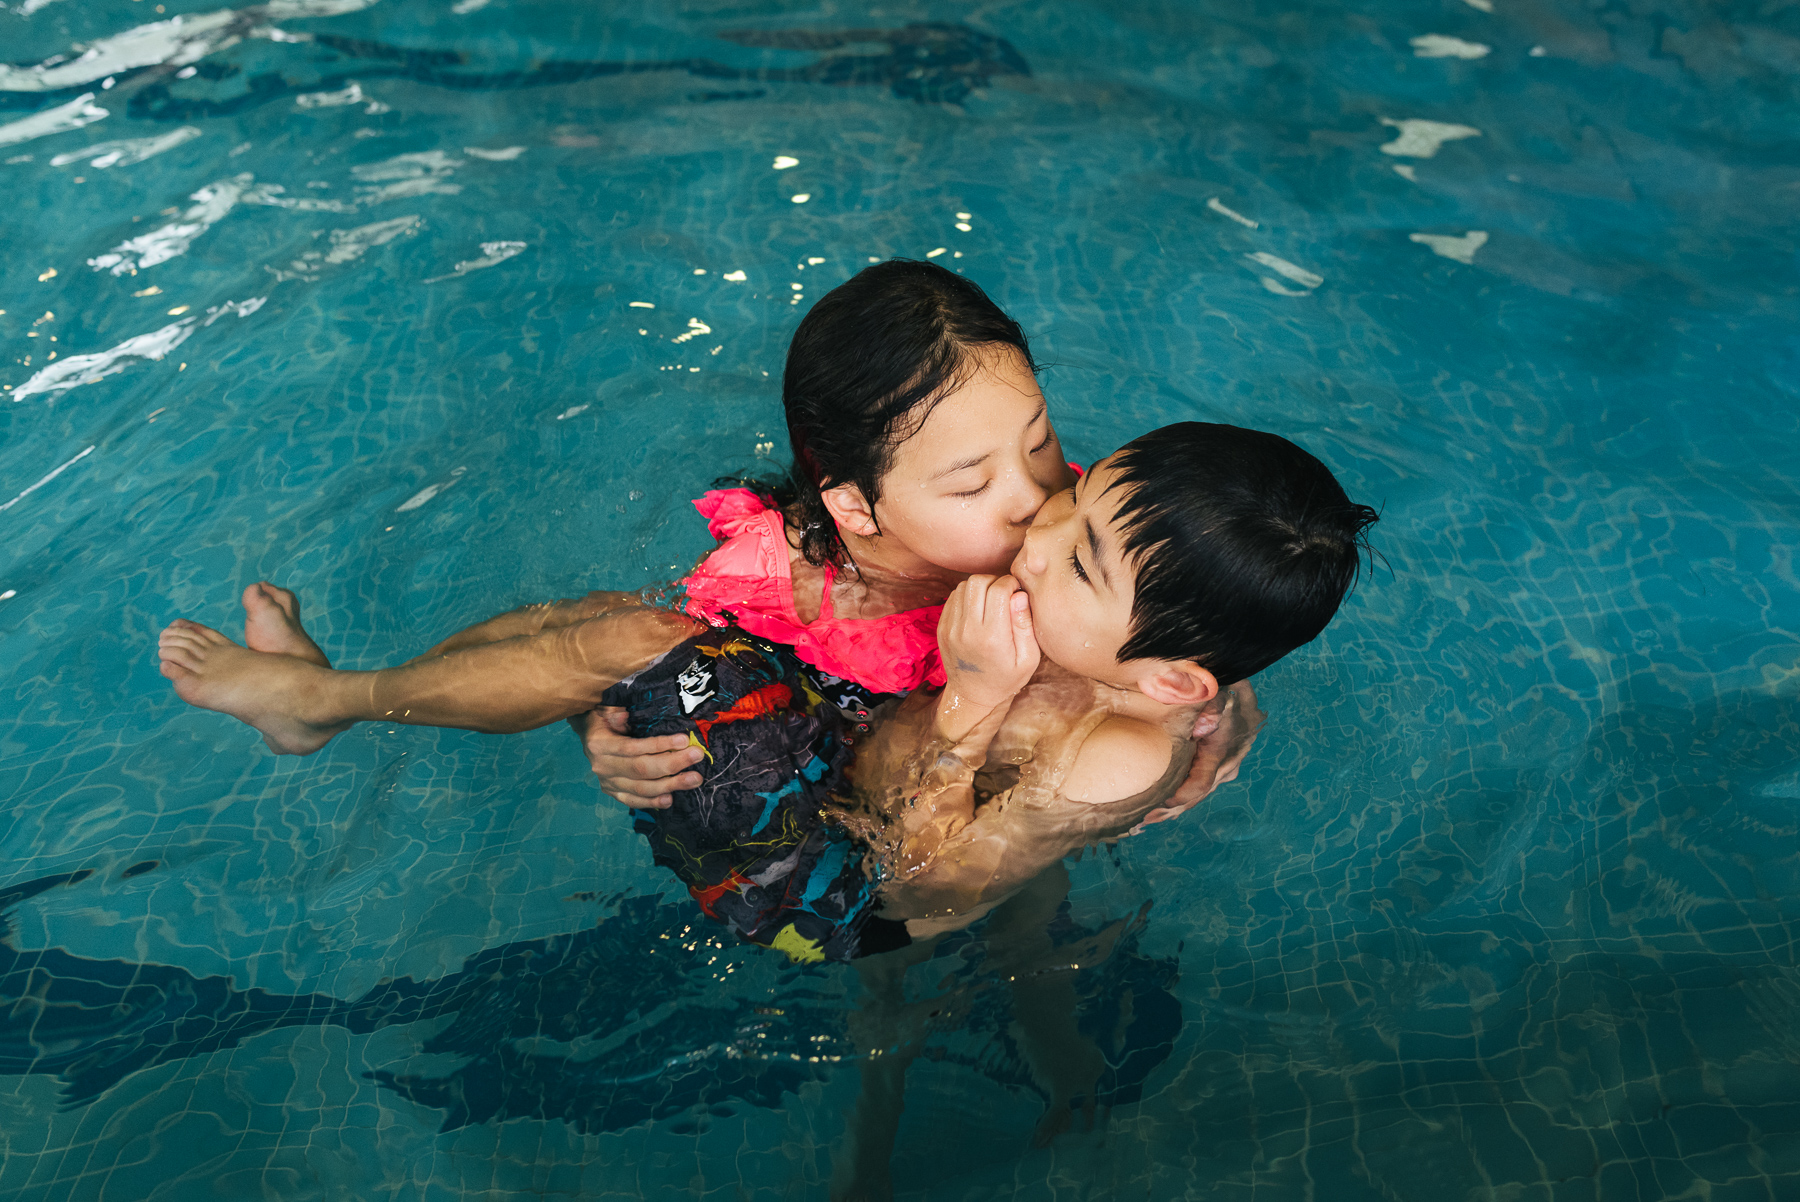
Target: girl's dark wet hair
[
  {"x": 864, "y": 371},
  {"x": 1244, "y": 544}
]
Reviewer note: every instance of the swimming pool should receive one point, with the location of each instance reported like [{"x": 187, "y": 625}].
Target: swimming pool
[{"x": 428, "y": 309}]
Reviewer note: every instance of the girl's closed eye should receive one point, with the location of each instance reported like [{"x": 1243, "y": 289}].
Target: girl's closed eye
[
  {"x": 1049, "y": 440},
  {"x": 974, "y": 492},
  {"x": 1075, "y": 562}
]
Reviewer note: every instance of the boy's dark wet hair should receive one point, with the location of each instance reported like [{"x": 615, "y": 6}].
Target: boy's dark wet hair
[
  {"x": 1245, "y": 546},
  {"x": 864, "y": 371}
]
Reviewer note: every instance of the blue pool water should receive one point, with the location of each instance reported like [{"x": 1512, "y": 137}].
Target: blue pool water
[{"x": 1505, "y": 904}]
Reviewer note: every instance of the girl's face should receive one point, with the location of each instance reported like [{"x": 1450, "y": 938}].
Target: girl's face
[{"x": 962, "y": 490}]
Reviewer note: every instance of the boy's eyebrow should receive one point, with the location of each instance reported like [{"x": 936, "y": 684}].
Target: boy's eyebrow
[{"x": 1093, "y": 539}]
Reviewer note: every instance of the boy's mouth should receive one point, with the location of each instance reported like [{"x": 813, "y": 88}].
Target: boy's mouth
[{"x": 1026, "y": 589}]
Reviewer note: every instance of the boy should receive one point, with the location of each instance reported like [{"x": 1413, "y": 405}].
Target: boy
[{"x": 1192, "y": 558}]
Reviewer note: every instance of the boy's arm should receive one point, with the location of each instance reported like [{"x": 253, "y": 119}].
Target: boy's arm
[{"x": 929, "y": 753}]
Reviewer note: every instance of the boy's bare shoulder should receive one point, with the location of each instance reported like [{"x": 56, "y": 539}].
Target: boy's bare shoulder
[{"x": 1120, "y": 758}]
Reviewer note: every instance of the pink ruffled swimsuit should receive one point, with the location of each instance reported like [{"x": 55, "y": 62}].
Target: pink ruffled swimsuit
[{"x": 749, "y": 581}]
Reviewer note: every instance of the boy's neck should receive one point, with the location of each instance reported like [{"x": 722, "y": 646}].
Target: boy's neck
[
  {"x": 1178, "y": 720},
  {"x": 1157, "y": 713}
]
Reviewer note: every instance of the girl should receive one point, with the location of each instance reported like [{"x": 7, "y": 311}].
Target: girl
[{"x": 922, "y": 449}]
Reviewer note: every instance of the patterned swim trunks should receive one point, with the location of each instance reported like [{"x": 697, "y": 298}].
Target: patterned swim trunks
[{"x": 751, "y": 843}]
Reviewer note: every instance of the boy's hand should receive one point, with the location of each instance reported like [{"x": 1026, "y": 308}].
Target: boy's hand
[
  {"x": 985, "y": 635},
  {"x": 641, "y": 773}
]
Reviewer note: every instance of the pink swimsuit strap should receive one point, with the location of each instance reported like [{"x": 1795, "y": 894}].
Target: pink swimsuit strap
[{"x": 749, "y": 580}]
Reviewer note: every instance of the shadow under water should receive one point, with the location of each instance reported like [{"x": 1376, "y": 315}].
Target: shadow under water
[
  {"x": 592, "y": 1028},
  {"x": 926, "y": 62}
]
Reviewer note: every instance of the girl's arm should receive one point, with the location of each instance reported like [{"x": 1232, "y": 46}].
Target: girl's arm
[
  {"x": 642, "y": 773},
  {"x": 1218, "y": 755}
]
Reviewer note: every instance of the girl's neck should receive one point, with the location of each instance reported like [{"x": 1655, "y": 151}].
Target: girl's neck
[
  {"x": 875, "y": 578},
  {"x": 881, "y": 563}
]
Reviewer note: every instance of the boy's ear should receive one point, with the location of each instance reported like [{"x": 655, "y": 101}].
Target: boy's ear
[
  {"x": 1179, "y": 682},
  {"x": 853, "y": 514}
]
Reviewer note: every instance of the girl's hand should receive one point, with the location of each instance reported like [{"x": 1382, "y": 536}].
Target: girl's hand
[
  {"x": 1225, "y": 735},
  {"x": 985, "y": 635},
  {"x": 641, "y": 773}
]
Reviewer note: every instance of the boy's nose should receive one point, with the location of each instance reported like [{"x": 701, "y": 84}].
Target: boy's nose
[{"x": 1030, "y": 561}]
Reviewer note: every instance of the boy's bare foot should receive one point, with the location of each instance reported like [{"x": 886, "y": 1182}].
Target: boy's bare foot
[
  {"x": 272, "y": 624},
  {"x": 263, "y": 690}
]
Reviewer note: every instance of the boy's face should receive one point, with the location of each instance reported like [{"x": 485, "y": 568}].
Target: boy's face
[{"x": 1073, "y": 567}]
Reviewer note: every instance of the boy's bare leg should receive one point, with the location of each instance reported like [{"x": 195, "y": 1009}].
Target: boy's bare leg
[
  {"x": 272, "y": 622},
  {"x": 514, "y": 684},
  {"x": 890, "y": 1032},
  {"x": 528, "y": 620},
  {"x": 1066, "y": 1063}
]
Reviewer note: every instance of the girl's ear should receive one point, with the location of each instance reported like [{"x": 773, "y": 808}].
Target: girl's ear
[
  {"x": 1179, "y": 682},
  {"x": 853, "y": 515}
]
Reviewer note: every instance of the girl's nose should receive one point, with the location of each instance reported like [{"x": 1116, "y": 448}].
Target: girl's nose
[{"x": 1027, "y": 497}]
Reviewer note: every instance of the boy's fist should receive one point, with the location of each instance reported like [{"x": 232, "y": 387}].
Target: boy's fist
[{"x": 985, "y": 635}]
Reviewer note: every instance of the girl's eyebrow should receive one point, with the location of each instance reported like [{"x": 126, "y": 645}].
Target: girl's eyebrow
[{"x": 977, "y": 461}]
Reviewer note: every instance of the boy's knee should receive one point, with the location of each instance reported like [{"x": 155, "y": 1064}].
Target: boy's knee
[{"x": 600, "y": 604}]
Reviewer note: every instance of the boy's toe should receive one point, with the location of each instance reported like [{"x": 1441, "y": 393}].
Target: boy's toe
[
  {"x": 264, "y": 593},
  {"x": 178, "y": 658},
  {"x": 184, "y": 642}
]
